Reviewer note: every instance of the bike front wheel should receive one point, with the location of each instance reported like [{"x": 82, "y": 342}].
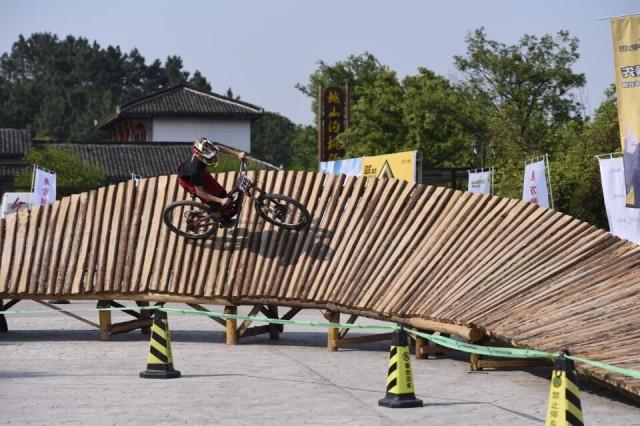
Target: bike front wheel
[
  {"x": 282, "y": 211},
  {"x": 189, "y": 219}
]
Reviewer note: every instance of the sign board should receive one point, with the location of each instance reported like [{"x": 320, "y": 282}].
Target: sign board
[
  {"x": 14, "y": 201},
  {"x": 480, "y": 181},
  {"x": 625, "y": 32},
  {"x": 624, "y": 222},
  {"x": 334, "y": 107},
  {"x": 535, "y": 184},
  {"x": 44, "y": 187},
  {"x": 401, "y": 165}
]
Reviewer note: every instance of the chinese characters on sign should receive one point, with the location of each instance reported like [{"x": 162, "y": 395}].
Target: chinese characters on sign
[
  {"x": 44, "y": 187},
  {"x": 334, "y": 123},
  {"x": 535, "y": 184}
]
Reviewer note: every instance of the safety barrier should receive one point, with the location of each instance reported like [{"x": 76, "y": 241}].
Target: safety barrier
[{"x": 429, "y": 258}]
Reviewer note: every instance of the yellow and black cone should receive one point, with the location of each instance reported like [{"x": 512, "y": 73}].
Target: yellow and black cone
[
  {"x": 160, "y": 360},
  {"x": 400, "y": 392},
  {"x": 564, "y": 406}
]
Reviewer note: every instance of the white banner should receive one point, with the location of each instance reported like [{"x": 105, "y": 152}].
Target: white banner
[
  {"x": 535, "y": 184},
  {"x": 479, "y": 182},
  {"x": 44, "y": 187},
  {"x": 623, "y": 222},
  {"x": 14, "y": 201},
  {"x": 349, "y": 167}
]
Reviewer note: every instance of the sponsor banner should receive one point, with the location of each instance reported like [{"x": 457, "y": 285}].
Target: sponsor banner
[
  {"x": 625, "y": 32},
  {"x": 334, "y": 109},
  {"x": 14, "y": 201},
  {"x": 44, "y": 187},
  {"x": 535, "y": 184},
  {"x": 349, "y": 167},
  {"x": 480, "y": 181},
  {"x": 401, "y": 165},
  {"x": 624, "y": 222}
]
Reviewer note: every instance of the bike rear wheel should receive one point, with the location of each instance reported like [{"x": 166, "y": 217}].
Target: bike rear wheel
[
  {"x": 189, "y": 219},
  {"x": 282, "y": 211}
]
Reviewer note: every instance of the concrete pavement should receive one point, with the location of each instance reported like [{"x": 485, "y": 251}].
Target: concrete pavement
[{"x": 54, "y": 370}]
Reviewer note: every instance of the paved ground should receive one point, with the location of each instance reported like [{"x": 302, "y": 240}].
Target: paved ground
[{"x": 54, "y": 370}]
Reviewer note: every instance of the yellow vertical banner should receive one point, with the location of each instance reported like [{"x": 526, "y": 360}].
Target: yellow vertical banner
[
  {"x": 625, "y": 32},
  {"x": 401, "y": 165}
]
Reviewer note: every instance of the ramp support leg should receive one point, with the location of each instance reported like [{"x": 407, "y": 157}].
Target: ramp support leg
[
  {"x": 231, "y": 334},
  {"x": 333, "y": 333},
  {"x": 105, "y": 320}
]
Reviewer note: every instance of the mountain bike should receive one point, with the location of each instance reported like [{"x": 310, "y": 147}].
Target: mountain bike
[{"x": 195, "y": 220}]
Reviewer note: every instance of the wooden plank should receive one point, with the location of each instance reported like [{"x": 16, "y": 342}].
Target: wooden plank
[
  {"x": 68, "y": 237},
  {"x": 21, "y": 229},
  {"x": 115, "y": 229},
  {"x": 126, "y": 237},
  {"x": 75, "y": 261},
  {"x": 35, "y": 214},
  {"x": 330, "y": 253},
  {"x": 48, "y": 249},
  {"x": 11, "y": 223},
  {"x": 84, "y": 251},
  {"x": 138, "y": 239},
  {"x": 56, "y": 247},
  {"x": 62, "y": 311},
  {"x": 308, "y": 198},
  {"x": 105, "y": 238},
  {"x": 150, "y": 230},
  {"x": 160, "y": 253},
  {"x": 36, "y": 264}
]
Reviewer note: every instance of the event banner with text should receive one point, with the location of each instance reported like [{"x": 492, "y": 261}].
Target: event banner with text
[{"x": 626, "y": 51}]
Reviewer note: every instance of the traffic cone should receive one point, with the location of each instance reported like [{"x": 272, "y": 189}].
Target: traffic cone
[
  {"x": 564, "y": 406},
  {"x": 400, "y": 392},
  {"x": 160, "y": 360}
]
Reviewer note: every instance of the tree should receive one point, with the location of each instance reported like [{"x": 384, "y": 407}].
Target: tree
[
  {"x": 376, "y": 118},
  {"x": 72, "y": 173},
  {"x": 61, "y": 86},
  {"x": 360, "y": 71},
  {"x": 272, "y": 138},
  {"x": 439, "y": 120},
  {"x": 528, "y": 87}
]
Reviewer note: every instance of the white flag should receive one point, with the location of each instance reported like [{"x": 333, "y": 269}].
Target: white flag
[
  {"x": 624, "y": 222},
  {"x": 535, "y": 184},
  {"x": 479, "y": 182},
  {"x": 44, "y": 187}
]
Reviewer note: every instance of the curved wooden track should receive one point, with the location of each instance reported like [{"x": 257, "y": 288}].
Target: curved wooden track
[{"x": 385, "y": 249}]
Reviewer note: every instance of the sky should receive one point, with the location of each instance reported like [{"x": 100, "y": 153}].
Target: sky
[{"x": 261, "y": 48}]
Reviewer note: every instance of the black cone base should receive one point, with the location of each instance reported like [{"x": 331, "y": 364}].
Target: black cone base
[
  {"x": 160, "y": 374},
  {"x": 400, "y": 401}
]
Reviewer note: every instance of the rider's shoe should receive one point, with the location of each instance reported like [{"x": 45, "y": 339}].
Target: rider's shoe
[{"x": 227, "y": 223}]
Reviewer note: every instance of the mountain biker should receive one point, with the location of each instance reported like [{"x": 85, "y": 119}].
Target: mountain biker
[{"x": 194, "y": 177}]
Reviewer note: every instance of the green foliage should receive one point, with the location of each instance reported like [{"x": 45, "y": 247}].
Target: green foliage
[
  {"x": 304, "y": 149},
  {"x": 528, "y": 88},
  {"x": 61, "y": 87},
  {"x": 272, "y": 138},
  {"x": 72, "y": 173}
]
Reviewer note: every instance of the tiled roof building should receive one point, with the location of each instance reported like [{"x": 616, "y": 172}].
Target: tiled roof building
[
  {"x": 183, "y": 114},
  {"x": 13, "y": 146}
]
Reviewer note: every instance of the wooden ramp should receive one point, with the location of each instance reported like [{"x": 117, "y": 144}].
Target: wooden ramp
[{"x": 385, "y": 249}]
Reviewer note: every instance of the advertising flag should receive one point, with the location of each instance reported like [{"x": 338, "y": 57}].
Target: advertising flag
[
  {"x": 624, "y": 222},
  {"x": 44, "y": 187},
  {"x": 625, "y": 32},
  {"x": 480, "y": 181},
  {"x": 535, "y": 184}
]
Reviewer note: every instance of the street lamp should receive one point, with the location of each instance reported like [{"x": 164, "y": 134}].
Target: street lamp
[{"x": 478, "y": 147}]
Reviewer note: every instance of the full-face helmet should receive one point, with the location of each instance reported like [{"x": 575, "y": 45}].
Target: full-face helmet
[{"x": 206, "y": 151}]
